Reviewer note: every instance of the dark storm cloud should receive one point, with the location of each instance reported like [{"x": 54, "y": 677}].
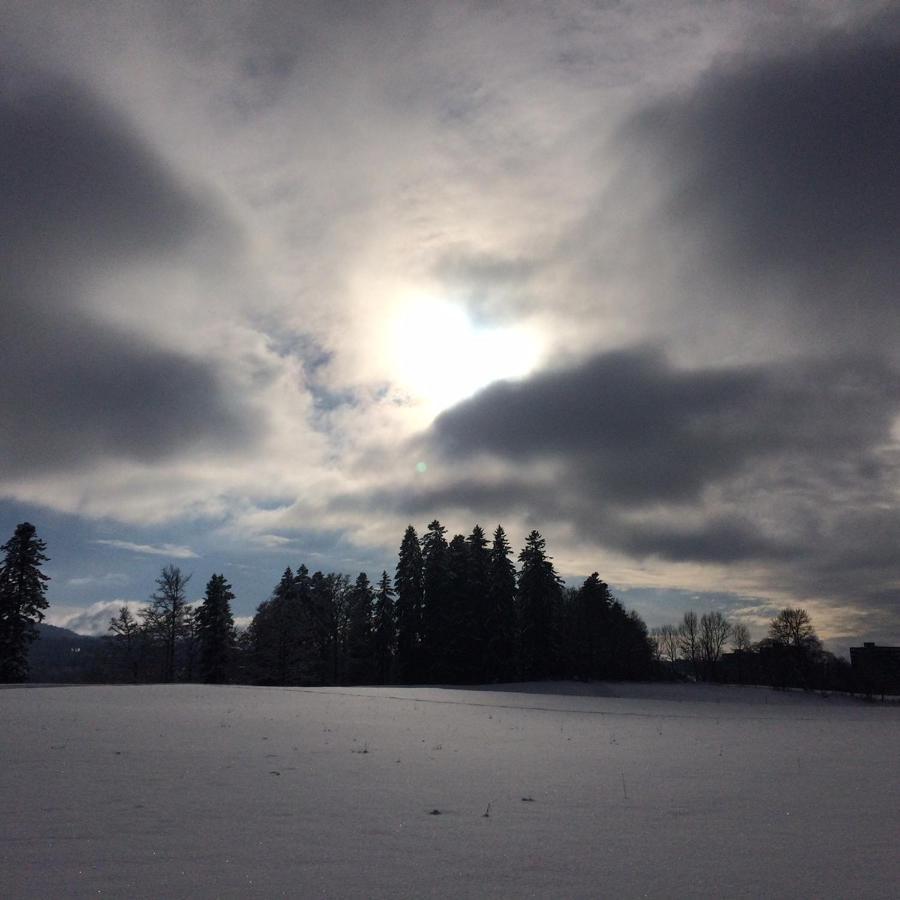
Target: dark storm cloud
[
  {"x": 643, "y": 432},
  {"x": 78, "y": 188},
  {"x": 81, "y": 197},
  {"x": 781, "y": 189},
  {"x": 788, "y": 465}
]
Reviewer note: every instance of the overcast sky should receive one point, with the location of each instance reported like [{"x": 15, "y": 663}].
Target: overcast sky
[{"x": 280, "y": 278}]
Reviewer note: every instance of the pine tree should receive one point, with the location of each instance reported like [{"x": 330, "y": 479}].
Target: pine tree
[
  {"x": 279, "y": 635},
  {"x": 385, "y": 630},
  {"x": 166, "y": 619},
  {"x": 472, "y": 619},
  {"x": 215, "y": 631},
  {"x": 360, "y": 639},
  {"x": 539, "y": 596},
  {"x": 500, "y": 612},
  {"x": 592, "y": 615},
  {"x": 435, "y": 649},
  {"x": 457, "y": 638},
  {"x": 23, "y": 588},
  {"x": 408, "y": 586}
]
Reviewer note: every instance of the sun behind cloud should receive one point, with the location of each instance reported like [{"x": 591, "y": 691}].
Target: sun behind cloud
[{"x": 440, "y": 356}]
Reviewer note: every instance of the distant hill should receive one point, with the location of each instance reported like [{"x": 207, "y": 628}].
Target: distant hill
[{"x": 61, "y": 655}]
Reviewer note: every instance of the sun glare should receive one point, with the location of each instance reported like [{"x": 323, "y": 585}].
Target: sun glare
[{"x": 441, "y": 357}]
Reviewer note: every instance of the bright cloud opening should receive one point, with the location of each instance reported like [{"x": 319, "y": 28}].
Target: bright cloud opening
[{"x": 440, "y": 356}]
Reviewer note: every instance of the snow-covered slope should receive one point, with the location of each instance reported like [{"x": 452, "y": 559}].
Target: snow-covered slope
[{"x": 660, "y": 791}]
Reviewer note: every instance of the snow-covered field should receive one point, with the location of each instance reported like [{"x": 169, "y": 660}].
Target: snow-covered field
[{"x": 533, "y": 790}]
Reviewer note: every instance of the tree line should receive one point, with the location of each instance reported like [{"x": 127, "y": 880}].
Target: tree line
[
  {"x": 455, "y": 611},
  {"x": 710, "y": 648}
]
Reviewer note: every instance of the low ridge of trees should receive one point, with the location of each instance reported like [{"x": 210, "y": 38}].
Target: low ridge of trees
[{"x": 455, "y": 611}]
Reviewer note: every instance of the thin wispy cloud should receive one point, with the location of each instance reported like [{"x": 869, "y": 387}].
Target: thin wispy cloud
[{"x": 170, "y": 550}]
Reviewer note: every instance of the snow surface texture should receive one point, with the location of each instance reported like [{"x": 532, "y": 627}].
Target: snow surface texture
[{"x": 529, "y": 791}]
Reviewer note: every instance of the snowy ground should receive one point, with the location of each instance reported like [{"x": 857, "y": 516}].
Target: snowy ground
[{"x": 533, "y": 790}]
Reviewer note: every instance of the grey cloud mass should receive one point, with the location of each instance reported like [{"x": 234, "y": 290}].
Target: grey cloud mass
[
  {"x": 252, "y": 255},
  {"x": 81, "y": 197},
  {"x": 776, "y": 195},
  {"x": 792, "y": 465}
]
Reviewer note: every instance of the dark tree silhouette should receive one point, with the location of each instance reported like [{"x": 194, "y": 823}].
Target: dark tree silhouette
[
  {"x": 23, "y": 588},
  {"x": 385, "y": 630},
  {"x": 715, "y": 630},
  {"x": 459, "y": 638},
  {"x": 360, "y": 634},
  {"x": 276, "y": 634},
  {"x": 327, "y": 607},
  {"x": 215, "y": 631},
  {"x": 793, "y": 647},
  {"x": 473, "y": 620},
  {"x": 500, "y": 612},
  {"x": 689, "y": 640},
  {"x": 128, "y": 645},
  {"x": 166, "y": 619},
  {"x": 591, "y": 640},
  {"x": 539, "y": 598},
  {"x": 409, "y": 589},
  {"x": 435, "y": 650}
]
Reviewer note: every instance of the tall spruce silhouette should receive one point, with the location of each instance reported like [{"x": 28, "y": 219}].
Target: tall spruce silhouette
[
  {"x": 500, "y": 612},
  {"x": 408, "y": 586},
  {"x": 384, "y": 630},
  {"x": 23, "y": 588},
  {"x": 473, "y": 618},
  {"x": 539, "y": 596},
  {"x": 436, "y": 637},
  {"x": 215, "y": 631},
  {"x": 458, "y": 640},
  {"x": 360, "y": 644}
]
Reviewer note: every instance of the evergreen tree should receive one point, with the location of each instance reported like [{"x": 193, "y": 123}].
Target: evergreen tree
[
  {"x": 167, "y": 618},
  {"x": 472, "y": 621},
  {"x": 592, "y": 648},
  {"x": 409, "y": 589},
  {"x": 458, "y": 640},
  {"x": 385, "y": 630},
  {"x": 23, "y": 588},
  {"x": 539, "y": 597},
  {"x": 435, "y": 650},
  {"x": 360, "y": 637},
  {"x": 215, "y": 631},
  {"x": 276, "y": 635},
  {"x": 500, "y": 612},
  {"x": 327, "y": 608}
]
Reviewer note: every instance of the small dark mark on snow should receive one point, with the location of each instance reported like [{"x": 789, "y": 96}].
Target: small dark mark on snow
[
  {"x": 435, "y": 812},
  {"x": 528, "y": 799},
  {"x": 273, "y": 772}
]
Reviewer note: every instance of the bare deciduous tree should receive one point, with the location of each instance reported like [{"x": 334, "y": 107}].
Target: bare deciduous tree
[
  {"x": 715, "y": 630},
  {"x": 167, "y": 616},
  {"x": 668, "y": 641},
  {"x": 740, "y": 637},
  {"x": 689, "y": 638}
]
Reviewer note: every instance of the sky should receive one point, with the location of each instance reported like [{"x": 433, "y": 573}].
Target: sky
[{"x": 279, "y": 278}]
